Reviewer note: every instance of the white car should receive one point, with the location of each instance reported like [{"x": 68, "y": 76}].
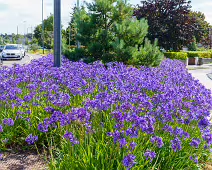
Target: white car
[
  {"x": 12, "y": 51},
  {"x": 22, "y": 50}
]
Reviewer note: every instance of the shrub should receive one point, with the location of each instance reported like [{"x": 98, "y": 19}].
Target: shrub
[
  {"x": 147, "y": 55},
  {"x": 34, "y": 47},
  {"x": 176, "y": 55},
  {"x": 200, "y": 54},
  {"x": 119, "y": 117}
]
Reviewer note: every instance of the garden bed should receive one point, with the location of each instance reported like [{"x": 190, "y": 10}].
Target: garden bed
[{"x": 106, "y": 117}]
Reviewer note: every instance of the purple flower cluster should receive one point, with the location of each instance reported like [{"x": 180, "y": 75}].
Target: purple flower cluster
[
  {"x": 155, "y": 104},
  {"x": 129, "y": 161},
  {"x": 176, "y": 144},
  {"x": 1, "y": 129},
  {"x": 8, "y": 122},
  {"x": 157, "y": 140},
  {"x": 195, "y": 142},
  {"x": 31, "y": 139},
  {"x": 69, "y": 136},
  {"x": 150, "y": 155}
]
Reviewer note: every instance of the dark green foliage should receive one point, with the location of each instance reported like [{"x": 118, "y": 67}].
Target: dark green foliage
[
  {"x": 201, "y": 28},
  {"x": 111, "y": 34},
  {"x": 148, "y": 55},
  {"x": 193, "y": 45},
  {"x": 176, "y": 55},
  {"x": 48, "y": 33}
]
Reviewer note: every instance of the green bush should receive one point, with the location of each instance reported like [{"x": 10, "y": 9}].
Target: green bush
[
  {"x": 200, "y": 54},
  {"x": 34, "y": 47},
  {"x": 148, "y": 55},
  {"x": 176, "y": 55}
]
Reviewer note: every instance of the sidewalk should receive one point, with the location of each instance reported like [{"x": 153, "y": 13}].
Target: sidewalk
[{"x": 202, "y": 73}]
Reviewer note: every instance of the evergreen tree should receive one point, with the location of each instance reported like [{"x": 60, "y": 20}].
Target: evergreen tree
[{"x": 108, "y": 30}]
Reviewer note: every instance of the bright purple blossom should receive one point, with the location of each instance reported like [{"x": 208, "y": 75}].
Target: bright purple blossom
[
  {"x": 195, "y": 142},
  {"x": 1, "y": 128},
  {"x": 8, "y": 122},
  {"x": 176, "y": 144},
  {"x": 129, "y": 161},
  {"x": 157, "y": 140},
  {"x": 69, "y": 136},
  {"x": 31, "y": 139},
  {"x": 150, "y": 155}
]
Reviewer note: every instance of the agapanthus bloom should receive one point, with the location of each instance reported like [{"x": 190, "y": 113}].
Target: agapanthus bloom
[
  {"x": 195, "y": 142},
  {"x": 69, "y": 136},
  {"x": 31, "y": 139},
  {"x": 195, "y": 159},
  {"x": 150, "y": 155},
  {"x": 8, "y": 122},
  {"x": 1, "y": 129},
  {"x": 157, "y": 140},
  {"x": 129, "y": 161},
  {"x": 176, "y": 144}
]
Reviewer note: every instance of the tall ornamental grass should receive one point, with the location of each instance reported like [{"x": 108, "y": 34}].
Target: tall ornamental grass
[{"x": 92, "y": 116}]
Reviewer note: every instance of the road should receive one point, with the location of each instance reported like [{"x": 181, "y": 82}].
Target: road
[{"x": 26, "y": 60}]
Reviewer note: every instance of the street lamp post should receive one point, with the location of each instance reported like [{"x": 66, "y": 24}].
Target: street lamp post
[
  {"x": 24, "y": 32},
  {"x": 42, "y": 29},
  {"x": 57, "y": 33}
]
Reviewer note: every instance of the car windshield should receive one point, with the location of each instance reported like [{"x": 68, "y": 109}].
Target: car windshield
[{"x": 11, "y": 47}]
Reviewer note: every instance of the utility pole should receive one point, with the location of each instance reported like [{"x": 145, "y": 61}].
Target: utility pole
[
  {"x": 42, "y": 29},
  {"x": 17, "y": 30},
  {"x": 57, "y": 33},
  {"x": 78, "y": 43}
]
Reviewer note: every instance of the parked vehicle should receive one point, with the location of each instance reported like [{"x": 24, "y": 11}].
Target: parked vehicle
[
  {"x": 23, "y": 51},
  {"x": 12, "y": 51}
]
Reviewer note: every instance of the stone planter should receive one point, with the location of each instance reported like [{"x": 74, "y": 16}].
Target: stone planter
[
  {"x": 193, "y": 61},
  {"x": 200, "y": 61}
]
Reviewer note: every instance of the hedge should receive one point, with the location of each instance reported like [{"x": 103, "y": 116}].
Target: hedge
[
  {"x": 189, "y": 54},
  {"x": 176, "y": 55}
]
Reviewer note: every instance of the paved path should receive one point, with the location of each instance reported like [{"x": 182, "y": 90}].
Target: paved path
[
  {"x": 26, "y": 60},
  {"x": 201, "y": 73}
]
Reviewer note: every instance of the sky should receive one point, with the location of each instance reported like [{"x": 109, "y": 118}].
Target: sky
[{"x": 26, "y": 14}]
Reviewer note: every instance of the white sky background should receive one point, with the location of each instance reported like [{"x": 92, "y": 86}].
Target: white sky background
[{"x": 13, "y": 13}]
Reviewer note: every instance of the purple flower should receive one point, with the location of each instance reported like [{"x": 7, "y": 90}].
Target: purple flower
[
  {"x": 204, "y": 123},
  {"x": 31, "y": 139},
  {"x": 133, "y": 145},
  {"x": 122, "y": 142},
  {"x": 69, "y": 136},
  {"x": 194, "y": 159},
  {"x": 169, "y": 129},
  {"x": 1, "y": 129},
  {"x": 129, "y": 161},
  {"x": 43, "y": 128},
  {"x": 1, "y": 156},
  {"x": 8, "y": 122},
  {"x": 195, "y": 142},
  {"x": 150, "y": 155},
  {"x": 176, "y": 144},
  {"x": 157, "y": 140}
]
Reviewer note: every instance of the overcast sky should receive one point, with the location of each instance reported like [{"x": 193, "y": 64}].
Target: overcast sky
[{"x": 27, "y": 13}]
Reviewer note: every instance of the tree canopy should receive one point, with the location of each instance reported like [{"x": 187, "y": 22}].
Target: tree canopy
[{"x": 169, "y": 22}]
